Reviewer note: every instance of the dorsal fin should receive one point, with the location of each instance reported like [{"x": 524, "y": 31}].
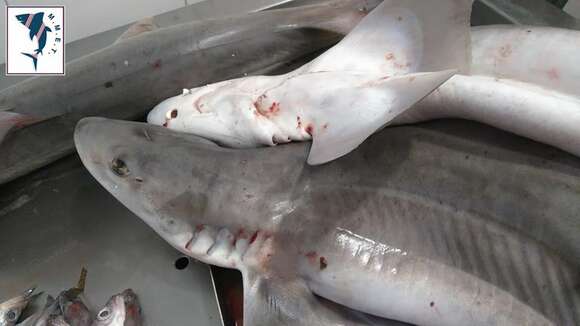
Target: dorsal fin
[
  {"x": 400, "y": 37},
  {"x": 142, "y": 26}
]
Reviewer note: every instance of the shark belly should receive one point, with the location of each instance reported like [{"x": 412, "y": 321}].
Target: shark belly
[
  {"x": 524, "y": 109},
  {"x": 405, "y": 258}
]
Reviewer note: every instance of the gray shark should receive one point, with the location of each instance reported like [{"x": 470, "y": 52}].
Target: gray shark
[
  {"x": 124, "y": 80},
  {"x": 392, "y": 229}
]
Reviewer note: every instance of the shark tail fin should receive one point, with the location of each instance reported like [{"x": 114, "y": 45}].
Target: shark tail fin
[
  {"x": 351, "y": 115},
  {"x": 34, "y": 58}
]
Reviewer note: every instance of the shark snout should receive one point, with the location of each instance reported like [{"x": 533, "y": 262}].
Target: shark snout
[{"x": 89, "y": 137}]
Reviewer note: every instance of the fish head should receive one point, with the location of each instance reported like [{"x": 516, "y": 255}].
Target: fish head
[
  {"x": 132, "y": 308},
  {"x": 11, "y": 310},
  {"x": 74, "y": 309},
  {"x": 113, "y": 313},
  {"x": 177, "y": 182},
  {"x": 224, "y": 112}
]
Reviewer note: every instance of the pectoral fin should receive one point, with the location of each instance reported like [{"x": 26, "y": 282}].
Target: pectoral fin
[
  {"x": 273, "y": 301},
  {"x": 352, "y": 115}
]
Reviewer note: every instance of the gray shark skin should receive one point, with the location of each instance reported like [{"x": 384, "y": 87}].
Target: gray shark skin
[
  {"x": 126, "y": 79},
  {"x": 415, "y": 225}
]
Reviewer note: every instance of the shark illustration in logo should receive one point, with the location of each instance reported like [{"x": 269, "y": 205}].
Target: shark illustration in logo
[{"x": 35, "y": 23}]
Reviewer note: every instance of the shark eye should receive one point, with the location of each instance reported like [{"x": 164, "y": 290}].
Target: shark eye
[
  {"x": 119, "y": 167},
  {"x": 11, "y": 316},
  {"x": 104, "y": 314},
  {"x": 171, "y": 114}
]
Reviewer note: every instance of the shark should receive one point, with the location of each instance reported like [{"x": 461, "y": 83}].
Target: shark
[
  {"x": 396, "y": 56},
  {"x": 362, "y": 231},
  {"x": 511, "y": 77},
  {"x": 522, "y": 79},
  {"x": 147, "y": 64}
]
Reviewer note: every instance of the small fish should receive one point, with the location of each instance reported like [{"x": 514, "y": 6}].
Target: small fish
[
  {"x": 68, "y": 309},
  {"x": 11, "y": 310},
  {"x": 35, "y": 23},
  {"x": 133, "y": 316},
  {"x": 72, "y": 306},
  {"x": 42, "y": 317},
  {"x": 122, "y": 309}
]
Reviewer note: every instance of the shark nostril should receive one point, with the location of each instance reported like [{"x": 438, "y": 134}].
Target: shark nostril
[{"x": 119, "y": 167}]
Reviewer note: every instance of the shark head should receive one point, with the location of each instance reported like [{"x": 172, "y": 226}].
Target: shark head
[
  {"x": 223, "y": 112},
  {"x": 145, "y": 167}
]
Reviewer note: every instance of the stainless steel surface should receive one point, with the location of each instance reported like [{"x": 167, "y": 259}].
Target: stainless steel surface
[
  {"x": 488, "y": 12},
  {"x": 56, "y": 221},
  {"x": 522, "y": 12}
]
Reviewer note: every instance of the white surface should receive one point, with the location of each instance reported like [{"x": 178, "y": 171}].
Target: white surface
[
  {"x": 51, "y": 57},
  {"x": 573, "y": 8}
]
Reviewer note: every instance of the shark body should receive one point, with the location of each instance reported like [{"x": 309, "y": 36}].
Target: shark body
[
  {"x": 348, "y": 231},
  {"x": 511, "y": 77},
  {"x": 396, "y": 56}
]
